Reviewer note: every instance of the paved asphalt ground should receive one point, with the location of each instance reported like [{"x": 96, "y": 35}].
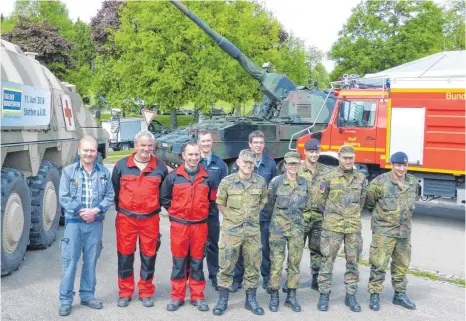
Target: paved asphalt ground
[{"x": 31, "y": 293}]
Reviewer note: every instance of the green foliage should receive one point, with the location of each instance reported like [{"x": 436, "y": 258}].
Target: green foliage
[{"x": 383, "y": 34}]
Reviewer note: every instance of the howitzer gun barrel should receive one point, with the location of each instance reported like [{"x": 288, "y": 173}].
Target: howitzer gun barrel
[{"x": 233, "y": 51}]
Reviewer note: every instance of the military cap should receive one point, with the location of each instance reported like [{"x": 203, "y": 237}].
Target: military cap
[
  {"x": 399, "y": 158},
  {"x": 292, "y": 157},
  {"x": 247, "y": 155},
  {"x": 312, "y": 144},
  {"x": 346, "y": 151}
]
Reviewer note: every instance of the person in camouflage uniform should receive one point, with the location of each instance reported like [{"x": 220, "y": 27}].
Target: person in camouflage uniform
[
  {"x": 288, "y": 196},
  {"x": 391, "y": 198},
  {"x": 241, "y": 197},
  {"x": 342, "y": 197}
]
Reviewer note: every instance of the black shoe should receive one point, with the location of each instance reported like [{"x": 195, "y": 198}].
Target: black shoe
[
  {"x": 315, "y": 283},
  {"x": 274, "y": 301},
  {"x": 65, "y": 309},
  {"x": 214, "y": 284},
  {"x": 235, "y": 287},
  {"x": 201, "y": 305},
  {"x": 222, "y": 303},
  {"x": 352, "y": 303},
  {"x": 265, "y": 286},
  {"x": 322, "y": 305},
  {"x": 400, "y": 298},
  {"x": 291, "y": 301},
  {"x": 374, "y": 302},
  {"x": 173, "y": 305},
  {"x": 123, "y": 302},
  {"x": 93, "y": 304},
  {"x": 147, "y": 302},
  {"x": 251, "y": 302},
  {"x": 285, "y": 288}
]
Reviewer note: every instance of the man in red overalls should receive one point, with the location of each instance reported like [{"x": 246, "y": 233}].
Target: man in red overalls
[
  {"x": 136, "y": 180},
  {"x": 187, "y": 193}
]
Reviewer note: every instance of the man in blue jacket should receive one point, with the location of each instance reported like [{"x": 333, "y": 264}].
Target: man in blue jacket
[
  {"x": 86, "y": 193},
  {"x": 217, "y": 170},
  {"x": 267, "y": 168}
]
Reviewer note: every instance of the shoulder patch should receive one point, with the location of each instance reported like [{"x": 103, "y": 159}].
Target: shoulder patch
[{"x": 322, "y": 187}]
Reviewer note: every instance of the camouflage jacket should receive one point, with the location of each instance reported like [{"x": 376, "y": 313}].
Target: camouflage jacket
[
  {"x": 342, "y": 200},
  {"x": 392, "y": 206},
  {"x": 287, "y": 203},
  {"x": 242, "y": 201},
  {"x": 314, "y": 211}
]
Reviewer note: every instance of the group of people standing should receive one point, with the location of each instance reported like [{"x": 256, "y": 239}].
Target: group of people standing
[{"x": 267, "y": 218}]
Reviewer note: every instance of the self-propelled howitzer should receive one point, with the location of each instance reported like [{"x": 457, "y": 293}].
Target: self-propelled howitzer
[{"x": 285, "y": 112}]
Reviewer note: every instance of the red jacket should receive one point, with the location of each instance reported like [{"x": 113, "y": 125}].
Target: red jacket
[
  {"x": 138, "y": 193},
  {"x": 185, "y": 199}
]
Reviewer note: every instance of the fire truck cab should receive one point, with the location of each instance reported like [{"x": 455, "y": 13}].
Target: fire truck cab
[{"x": 421, "y": 116}]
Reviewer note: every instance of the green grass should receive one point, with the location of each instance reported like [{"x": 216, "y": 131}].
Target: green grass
[
  {"x": 120, "y": 152},
  {"x": 416, "y": 272}
]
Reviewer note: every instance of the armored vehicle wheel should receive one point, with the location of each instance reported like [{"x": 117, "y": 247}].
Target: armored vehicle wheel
[
  {"x": 46, "y": 210},
  {"x": 281, "y": 167},
  {"x": 230, "y": 166},
  {"x": 124, "y": 146},
  {"x": 16, "y": 219}
]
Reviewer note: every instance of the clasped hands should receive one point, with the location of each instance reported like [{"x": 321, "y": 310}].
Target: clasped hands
[{"x": 88, "y": 214}]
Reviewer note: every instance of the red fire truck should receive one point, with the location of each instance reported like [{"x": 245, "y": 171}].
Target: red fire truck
[{"x": 423, "y": 117}]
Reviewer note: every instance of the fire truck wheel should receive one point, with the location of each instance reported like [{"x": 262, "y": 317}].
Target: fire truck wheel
[
  {"x": 16, "y": 219},
  {"x": 46, "y": 210}
]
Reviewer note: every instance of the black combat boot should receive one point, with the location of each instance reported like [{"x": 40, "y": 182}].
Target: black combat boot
[
  {"x": 315, "y": 283},
  {"x": 265, "y": 286},
  {"x": 251, "y": 302},
  {"x": 400, "y": 298},
  {"x": 222, "y": 303},
  {"x": 274, "y": 301},
  {"x": 291, "y": 301},
  {"x": 285, "y": 288},
  {"x": 374, "y": 302},
  {"x": 352, "y": 303},
  {"x": 322, "y": 305}
]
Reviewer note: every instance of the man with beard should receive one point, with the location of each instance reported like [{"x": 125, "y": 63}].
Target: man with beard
[
  {"x": 136, "y": 180},
  {"x": 217, "y": 170},
  {"x": 343, "y": 194},
  {"x": 267, "y": 168},
  {"x": 187, "y": 193},
  {"x": 391, "y": 196},
  {"x": 85, "y": 195}
]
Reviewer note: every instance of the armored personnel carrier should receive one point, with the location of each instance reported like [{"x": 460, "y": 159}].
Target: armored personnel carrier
[
  {"x": 42, "y": 121},
  {"x": 286, "y": 111}
]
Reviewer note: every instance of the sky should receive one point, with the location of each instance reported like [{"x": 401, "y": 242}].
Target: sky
[{"x": 315, "y": 22}]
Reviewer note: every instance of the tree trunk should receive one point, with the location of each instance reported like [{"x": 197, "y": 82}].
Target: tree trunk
[
  {"x": 196, "y": 115},
  {"x": 173, "y": 118}
]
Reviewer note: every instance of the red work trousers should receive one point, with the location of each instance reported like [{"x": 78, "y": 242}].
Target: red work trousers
[
  {"x": 188, "y": 243},
  {"x": 127, "y": 231}
]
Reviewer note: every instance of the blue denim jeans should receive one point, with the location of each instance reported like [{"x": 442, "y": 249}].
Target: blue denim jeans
[{"x": 85, "y": 238}]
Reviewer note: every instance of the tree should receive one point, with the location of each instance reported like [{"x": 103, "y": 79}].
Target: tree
[
  {"x": 106, "y": 20},
  {"x": 455, "y": 15},
  {"x": 383, "y": 34},
  {"x": 52, "y": 48}
]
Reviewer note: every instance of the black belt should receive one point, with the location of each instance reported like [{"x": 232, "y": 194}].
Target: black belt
[
  {"x": 138, "y": 216},
  {"x": 186, "y": 222}
]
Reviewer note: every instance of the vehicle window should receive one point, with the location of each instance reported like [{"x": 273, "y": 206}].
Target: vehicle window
[{"x": 357, "y": 113}]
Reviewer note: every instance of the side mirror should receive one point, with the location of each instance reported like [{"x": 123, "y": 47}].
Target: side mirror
[{"x": 340, "y": 121}]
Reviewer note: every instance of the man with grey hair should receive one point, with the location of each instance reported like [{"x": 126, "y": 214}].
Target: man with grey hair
[
  {"x": 137, "y": 180},
  {"x": 85, "y": 195}
]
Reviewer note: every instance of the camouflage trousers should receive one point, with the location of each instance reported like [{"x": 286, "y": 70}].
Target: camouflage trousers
[
  {"x": 278, "y": 246},
  {"x": 229, "y": 251},
  {"x": 382, "y": 249},
  {"x": 312, "y": 232},
  {"x": 330, "y": 243}
]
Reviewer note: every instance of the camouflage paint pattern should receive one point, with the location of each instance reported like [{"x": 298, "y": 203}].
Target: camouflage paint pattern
[
  {"x": 242, "y": 201},
  {"x": 312, "y": 234},
  {"x": 24, "y": 148},
  {"x": 229, "y": 250},
  {"x": 384, "y": 247},
  {"x": 287, "y": 203},
  {"x": 330, "y": 245},
  {"x": 278, "y": 245},
  {"x": 313, "y": 176},
  {"x": 342, "y": 198},
  {"x": 392, "y": 205}
]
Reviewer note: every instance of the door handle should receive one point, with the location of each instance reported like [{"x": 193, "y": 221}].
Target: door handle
[{"x": 370, "y": 138}]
